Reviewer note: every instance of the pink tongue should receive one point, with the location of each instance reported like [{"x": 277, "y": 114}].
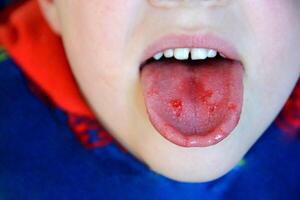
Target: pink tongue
[{"x": 193, "y": 100}]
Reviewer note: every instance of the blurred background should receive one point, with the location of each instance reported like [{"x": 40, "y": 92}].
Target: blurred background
[
  {"x": 4, "y": 3},
  {"x": 6, "y": 6}
]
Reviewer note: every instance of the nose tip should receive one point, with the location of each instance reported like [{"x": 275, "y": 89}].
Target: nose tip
[{"x": 185, "y": 3}]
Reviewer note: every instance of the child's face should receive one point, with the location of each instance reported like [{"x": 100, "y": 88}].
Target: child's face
[{"x": 106, "y": 40}]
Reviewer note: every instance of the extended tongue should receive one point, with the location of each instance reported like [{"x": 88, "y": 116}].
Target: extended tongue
[{"x": 193, "y": 105}]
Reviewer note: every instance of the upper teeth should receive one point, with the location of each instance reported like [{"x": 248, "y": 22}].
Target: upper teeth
[{"x": 184, "y": 53}]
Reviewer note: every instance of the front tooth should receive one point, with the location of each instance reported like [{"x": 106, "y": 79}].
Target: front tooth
[
  {"x": 182, "y": 53},
  {"x": 199, "y": 53},
  {"x": 158, "y": 56},
  {"x": 211, "y": 53},
  {"x": 169, "y": 53}
]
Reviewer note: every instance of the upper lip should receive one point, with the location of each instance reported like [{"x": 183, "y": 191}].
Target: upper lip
[{"x": 199, "y": 40}]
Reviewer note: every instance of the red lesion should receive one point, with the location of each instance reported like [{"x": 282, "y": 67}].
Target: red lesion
[
  {"x": 232, "y": 106},
  {"x": 212, "y": 108},
  {"x": 205, "y": 95},
  {"x": 176, "y": 105}
]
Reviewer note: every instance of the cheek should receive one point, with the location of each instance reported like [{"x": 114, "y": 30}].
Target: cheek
[
  {"x": 274, "y": 27},
  {"x": 95, "y": 34},
  {"x": 99, "y": 27},
  {"x": 273, "y": 59},
  {"x": 274, "y": 22},
  {"x": 105, "y": 23}
]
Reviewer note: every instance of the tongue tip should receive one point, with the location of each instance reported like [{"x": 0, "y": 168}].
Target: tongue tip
[{"x": 195, "y": 140}]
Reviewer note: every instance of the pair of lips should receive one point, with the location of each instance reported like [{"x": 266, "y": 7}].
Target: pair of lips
[{"x": 193, "y": 104}]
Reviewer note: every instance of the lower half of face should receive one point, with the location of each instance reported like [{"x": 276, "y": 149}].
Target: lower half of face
[{"x": 105, "y": 41}]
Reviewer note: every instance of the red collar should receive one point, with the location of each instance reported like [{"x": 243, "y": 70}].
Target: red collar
[{"x": 46, "y": 64}]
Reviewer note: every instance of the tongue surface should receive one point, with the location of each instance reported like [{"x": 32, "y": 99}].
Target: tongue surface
[{"x": 193, "y": 99}]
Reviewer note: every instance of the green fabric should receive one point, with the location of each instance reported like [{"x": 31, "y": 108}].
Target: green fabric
[{"x": 3, "y": 55}]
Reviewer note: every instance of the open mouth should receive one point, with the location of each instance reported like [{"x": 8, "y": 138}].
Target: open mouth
[{"x": 193, "y": 95}]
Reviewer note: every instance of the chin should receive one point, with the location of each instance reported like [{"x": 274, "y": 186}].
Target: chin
[
  {"x": 191, "y": 164},
  {"x": 194, "y": 175}
]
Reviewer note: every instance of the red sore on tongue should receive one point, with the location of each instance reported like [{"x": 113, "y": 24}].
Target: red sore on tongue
[{"x": 193, "y": 105}]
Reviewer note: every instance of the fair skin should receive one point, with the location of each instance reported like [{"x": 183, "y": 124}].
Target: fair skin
[{"x": 104, "y": 41}]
